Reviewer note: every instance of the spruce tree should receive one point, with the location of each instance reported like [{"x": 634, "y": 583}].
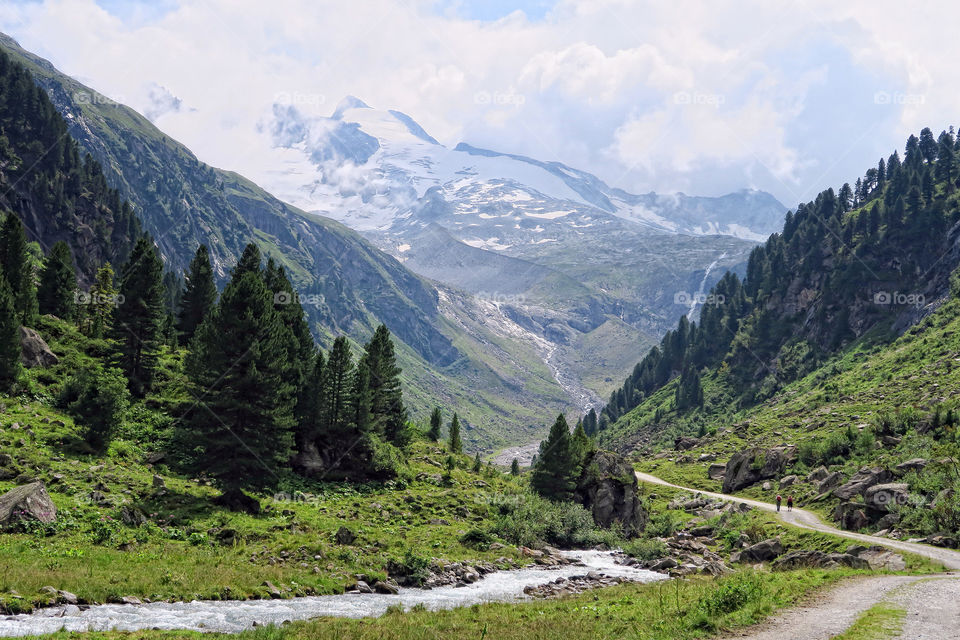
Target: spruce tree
[
  {"x": 456, "y": 444},
  {"x": 436, "y": 424},
  {"x": 360, "y": 397},
  {"x": 139, "y": 316},
  {"x": 243, "y": 420},
  {"x": 58, "y": 283},
  {"x": 336, "y": 423},
  {"x": 515, "y": 467},
  {"x": 9, "y": 339},
  {"x": 581, "y": 443},
  {"x": 388, "y": 414},
  {"x": 477, "y": 464},
  {"x": 100, "y": 303},
  {"x": 18, "y": 269},
  {"x": 557, "y": 469},
  {"x": 199, "y": 294}
]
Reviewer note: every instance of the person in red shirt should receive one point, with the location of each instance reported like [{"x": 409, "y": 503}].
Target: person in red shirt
[
  {"x": 789, "y": 503},
  {"x": 779, "y": 500}
]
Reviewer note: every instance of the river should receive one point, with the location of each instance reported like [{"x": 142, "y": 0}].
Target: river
[{"x": 234, "y": 616}]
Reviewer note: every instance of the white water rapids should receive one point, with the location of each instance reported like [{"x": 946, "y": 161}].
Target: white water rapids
[{"x": 233, "y": 616}]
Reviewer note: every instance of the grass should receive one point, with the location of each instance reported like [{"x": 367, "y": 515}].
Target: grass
[
  {"x": 676, "y": 610},
  {"x": 879, "y": 622}
]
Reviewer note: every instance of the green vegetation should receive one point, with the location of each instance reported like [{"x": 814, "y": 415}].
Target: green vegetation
[{"x": 879, "y": 622}]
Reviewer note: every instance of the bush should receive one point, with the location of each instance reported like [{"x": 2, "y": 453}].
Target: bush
[
  {"x": 661, "y": 525},
  {"x": 477, "y": 539},
  {"x": 97, "y": 398},
  {"x": 732, "y": 595},
  {"x": 645, "y": 549},
  {"x": 533, "y": 521}
]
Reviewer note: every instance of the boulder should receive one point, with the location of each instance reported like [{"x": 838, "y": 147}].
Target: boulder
[
  {"x": 385, "y": 588},
  {"x": 851, "y": 516},
  {"x": 344, "y": 536},
  {"x": 236, "y": 500},
  {"x": 888, "y": 521},
  {"x": 818, "y": 474},
  {"x": 914, "y": 464},
  {"x": 716, "y": 471},
  {"x": 763, "y": 551},
  {"x": 788, "y": 481},
  {"x": 272, "y": 590},
  {"x": 879, "y": 558},
  {"x": 158, "y": 482},
  {"x": 830, "y": 481},
  {"x": 884, "y": 497},
  {"x": 27, "y": 502},
  {"x": 861, "y": 481},
  {"x": 133, "y": 517},
  {"x": 34, "y": 352},
  {"x": 685, "y": 442},
  {"x": 753, "y": 465},
  {"x": 804, "y": 558},
  {"x": 608, "y": 489}
]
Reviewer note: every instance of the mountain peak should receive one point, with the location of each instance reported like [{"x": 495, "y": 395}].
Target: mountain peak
[{"x": 349, "y": 102}]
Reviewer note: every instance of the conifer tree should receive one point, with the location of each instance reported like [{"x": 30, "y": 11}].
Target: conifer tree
[
  {"x": 456, "y": 444},
  {"x": 477, "y": 464},
  {"x": 243, "y": 420},
  {"x": 337, "y": 416},
  {"x": 436, "y": 424},
  {"x": 360, "y": 397},
  {"x": 139, "y": 316},
  {"x": 58, "y": 283},
  {"x": 100, "y": 303},
  {"x": 199, "y": 295},
  {"x": 388, "y": 414},
  {"x": 515, "y": 467},
  {"x": 18, "y": 269},
  {"x": 9, "y": 339},
  {"x": 557, "y": 469},
  {"x": 581, "y": 443}
]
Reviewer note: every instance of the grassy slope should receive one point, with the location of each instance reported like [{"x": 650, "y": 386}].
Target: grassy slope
[{"x": 917, "y": 371}]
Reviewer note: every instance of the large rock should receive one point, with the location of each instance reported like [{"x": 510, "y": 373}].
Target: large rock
[
  {"x": 683, "y": 443},
  {"x": 851, "y": 516},
  {"x": 884, "y": 497},
  {"x": 818, "y": 474},
  {"x": 879, "y": 558},
  {"x": 914, "y": 464},
  {"x": 34, "y": 352},
  {"x": 608, "y": 489},
  {"x": 753, "y": 465},
  {"x": 861, "y": 481},
  {"x": 717, "y": 471},
  {"x": 830, "y": 481},
  {"x": 805, "y": 559},
  {"x": 764, "y": 551},
  {"x": 27, "y": 502}
]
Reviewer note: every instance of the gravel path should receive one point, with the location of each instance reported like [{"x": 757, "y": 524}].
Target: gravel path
[{"x": 932, "y": 604}]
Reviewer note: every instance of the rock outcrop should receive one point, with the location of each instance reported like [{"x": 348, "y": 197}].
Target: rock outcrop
[
  {"x": 861, "y": 481},
  {"x": 805, "y": 559},
  {"x": 608, "y": 489},
  {"x": 27, "y": 502},
  {"x": 753, "y": 465},
  {"x": 34, "y": 352},
  {"x": 763, "y": 551}
]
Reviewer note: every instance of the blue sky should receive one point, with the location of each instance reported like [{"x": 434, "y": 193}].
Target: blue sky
[{"x": 704, "y": 98}]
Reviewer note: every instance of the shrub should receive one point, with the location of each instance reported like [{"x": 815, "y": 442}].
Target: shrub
[
  {"x": 476, "y": 539},
  {"x": 532, "y": 521},
  {"x": 645, "y": 549},
  {"x": 97, "y": 398}
]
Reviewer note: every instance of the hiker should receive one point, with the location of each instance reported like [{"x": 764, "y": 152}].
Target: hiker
[
  {"x": 789, "y": 503},
  {"x": 779, "y": 500}
]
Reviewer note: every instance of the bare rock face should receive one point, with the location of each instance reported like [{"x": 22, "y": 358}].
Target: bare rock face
[
  {"x": 34, "y": 352},
  {"x": 861, "y": 481},
  {"x": 27, "y": 502},
  {"x": 608, "y": 489},
  {"x": 763, "y": 551},
  {"x": 818, "y": 559}
]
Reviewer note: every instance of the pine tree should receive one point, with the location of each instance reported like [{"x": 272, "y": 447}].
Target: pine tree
[
  {"x": 477, "y": 464},
  {"x": 18, "y": 269},
  {"x": 336, "y": 424},
  {"x": 243, "y": 419},
  {"x": 361, "y": 398},
  {"x": 515, "y": 467},
  {"x": 250, "y": 261},
  {"x": 199, "y": 296},
  {"x": 456, "y": 445},
  {"x": 9, "y": 339},
  {"x": 557, "y": 469},
  {"x": 58, "y": 283},
  {"x": 436, "y": 424},
  {"x": 138, "y": 319}
]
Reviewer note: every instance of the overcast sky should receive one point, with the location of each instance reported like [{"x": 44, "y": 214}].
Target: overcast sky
[{"x": 701, "y": 97}]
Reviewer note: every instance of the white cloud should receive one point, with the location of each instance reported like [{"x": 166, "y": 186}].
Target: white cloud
[{"x": 593, "y": 84}]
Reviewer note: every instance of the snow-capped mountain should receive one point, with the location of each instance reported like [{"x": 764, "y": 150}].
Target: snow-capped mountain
[{"x": 379, "y": 170}]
